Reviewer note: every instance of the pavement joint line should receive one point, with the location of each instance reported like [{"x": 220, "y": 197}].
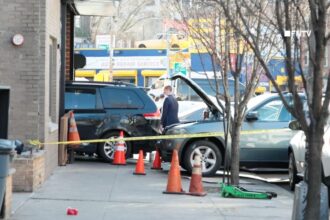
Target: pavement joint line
[
  {"x": 216, "y": 207},
  {"x": 114, "y": 183},
  {"x": 88, "y": 200},
  {"x": 23, "y": 203}
]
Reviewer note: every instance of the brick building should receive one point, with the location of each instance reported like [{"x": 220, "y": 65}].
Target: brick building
[
  {"x": 36, "y": 44},
  {"x": 30, "y": 72}
]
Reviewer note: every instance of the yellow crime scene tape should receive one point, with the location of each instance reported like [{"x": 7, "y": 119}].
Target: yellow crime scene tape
[{"x": 158, "y": 137}]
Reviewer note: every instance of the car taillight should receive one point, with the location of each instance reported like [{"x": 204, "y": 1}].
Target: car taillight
[{"x": 153, "y": 115}]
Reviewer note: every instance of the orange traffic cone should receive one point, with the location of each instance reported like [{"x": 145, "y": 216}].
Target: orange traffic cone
[
  {"x": 119, "y": 156},
  {"x": 174, "y": 176},
  {"x": 196, "y": 186},
  {"x": 73, "y": 131},
  {"x": 157, "y": 164},
  {"x": 139, "y": 169}
]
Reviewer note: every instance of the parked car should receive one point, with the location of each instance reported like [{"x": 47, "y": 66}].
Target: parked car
[
  {"x": 297, "y": 151},
  {"x": 259, "y": 149},
  {"x": 103, "y": 109}
]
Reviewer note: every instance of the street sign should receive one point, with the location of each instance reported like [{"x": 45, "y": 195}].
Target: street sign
[{"x": 180, "y": 68}]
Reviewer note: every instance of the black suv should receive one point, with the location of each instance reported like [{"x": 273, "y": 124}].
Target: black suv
[{"x": 102, "y": 110}]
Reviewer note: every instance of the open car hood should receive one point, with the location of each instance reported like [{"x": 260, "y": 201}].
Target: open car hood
[{"x": 210, "y": 102}]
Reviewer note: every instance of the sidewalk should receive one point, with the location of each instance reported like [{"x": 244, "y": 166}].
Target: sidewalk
[{"x": 101, "y": 191}]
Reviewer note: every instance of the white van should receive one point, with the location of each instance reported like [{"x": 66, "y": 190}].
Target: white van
[
  {"x": 189, "y": 101},
  {"x": 183, "y": 92}
]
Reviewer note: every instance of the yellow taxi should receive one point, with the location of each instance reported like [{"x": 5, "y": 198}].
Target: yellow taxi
[{"x": 175, "y": 41}]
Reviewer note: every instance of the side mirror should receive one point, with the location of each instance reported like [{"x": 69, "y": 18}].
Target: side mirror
[
  {"x": 294, "y": 125},
  {"x": 252, "y": 116}
]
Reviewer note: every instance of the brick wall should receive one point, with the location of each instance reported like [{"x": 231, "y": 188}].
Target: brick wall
[
  {"x": 26, "y": 70},
  {"x": 52, "y": 73},
  {"x": 22, "y": 68},
  {"x": 30, "y": 173},
  {"x": 7, "y": 207}
]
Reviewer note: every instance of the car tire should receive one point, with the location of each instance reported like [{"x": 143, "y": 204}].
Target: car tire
[
  {"x": 209, "y": 151},
  {"x": 293, "y": 177},
  {"x": 107, "y": 149}
]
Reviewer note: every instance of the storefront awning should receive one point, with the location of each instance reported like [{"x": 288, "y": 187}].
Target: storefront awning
[
  {"x": 119, "y": 73},
  {"x": 125, "y": 73},
  {"x": 96, "y": 7},
  {"x": 149, "y": 73},
  {"x": 85, "y": 73}
]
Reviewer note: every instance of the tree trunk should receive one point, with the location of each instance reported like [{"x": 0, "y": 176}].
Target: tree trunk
[
  {"x": 314, "y": 175},
  {"x": 234, "y": 164}
]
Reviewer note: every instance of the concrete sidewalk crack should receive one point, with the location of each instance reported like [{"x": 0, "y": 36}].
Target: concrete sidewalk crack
[
  {"x": 89, "y": 200},
  {"x": 216, "y": 208},
  {"x": 114, "y": 184}
]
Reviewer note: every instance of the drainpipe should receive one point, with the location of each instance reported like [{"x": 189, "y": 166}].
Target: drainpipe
[{"x": 63, "y": 63}]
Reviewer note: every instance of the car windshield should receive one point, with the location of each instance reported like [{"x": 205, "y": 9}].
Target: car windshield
[{"x": 255, "y": 101}]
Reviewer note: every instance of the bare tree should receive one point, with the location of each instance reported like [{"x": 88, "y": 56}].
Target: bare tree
[
  {"x": 211, "y": 32},
  {"x": 128, "y": 15},
  {"x": 290, "y": 18}
]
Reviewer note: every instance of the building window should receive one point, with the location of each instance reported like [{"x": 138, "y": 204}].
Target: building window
[{"x": 52, "y": 79}]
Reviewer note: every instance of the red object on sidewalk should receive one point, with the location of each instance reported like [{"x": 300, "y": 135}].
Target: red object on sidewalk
[
  {"x": 120, "y": 155},
  {"x": 139, "y": 169},
  {"x": 157, "y": 164},
  {"x": 71, "y": 211}
]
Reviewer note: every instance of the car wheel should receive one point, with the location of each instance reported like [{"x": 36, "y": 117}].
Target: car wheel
[
  {"x": 210, "y": 155},
  {"x": 107, "y": 149},
  {"x": 293, "y": 178}
]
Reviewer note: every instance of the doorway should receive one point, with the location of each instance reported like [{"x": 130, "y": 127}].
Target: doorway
[{"x": 4, "y": 109}]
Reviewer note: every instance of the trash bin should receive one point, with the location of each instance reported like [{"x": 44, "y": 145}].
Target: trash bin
[{"x": 7, "y": 152}]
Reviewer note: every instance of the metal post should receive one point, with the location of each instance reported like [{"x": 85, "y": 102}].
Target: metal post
[
  {"x": 167, "y": 55},
  {"x": 63, "y": 56},
  {"x": 111, "y": 57}
]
